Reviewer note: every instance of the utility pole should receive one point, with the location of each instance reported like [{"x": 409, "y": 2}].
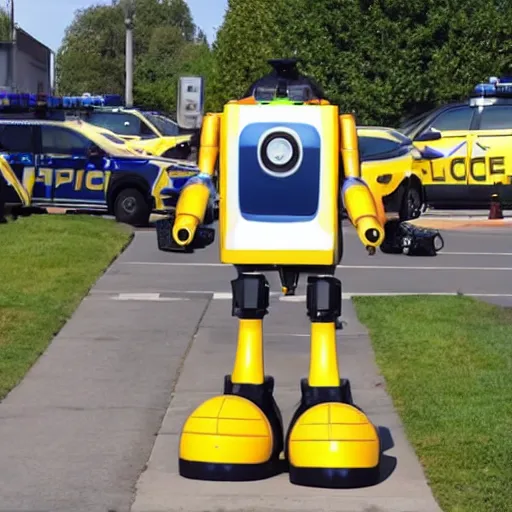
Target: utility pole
[
  {"x": 13, "y": 49},
  {"x": 129, "y": 13}
]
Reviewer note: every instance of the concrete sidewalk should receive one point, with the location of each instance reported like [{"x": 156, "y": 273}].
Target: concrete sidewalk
[
  {"x": 76, "y": 434},
  {"x": 161, "y": 489}
]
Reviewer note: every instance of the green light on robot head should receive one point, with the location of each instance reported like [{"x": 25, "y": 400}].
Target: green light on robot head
[{"x": 281, "y": 102}]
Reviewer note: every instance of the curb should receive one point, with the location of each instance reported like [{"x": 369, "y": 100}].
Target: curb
[{"x": 462, "y": 223}]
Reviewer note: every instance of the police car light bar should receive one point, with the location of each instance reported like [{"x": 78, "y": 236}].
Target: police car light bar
[
  {"x": 16, "y": 101},
  {"x": 496, "y": 87}
]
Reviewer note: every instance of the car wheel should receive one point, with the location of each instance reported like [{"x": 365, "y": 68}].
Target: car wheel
[
  {"x": 131, "y": 207},
  {"x": 412, "y": 203}
]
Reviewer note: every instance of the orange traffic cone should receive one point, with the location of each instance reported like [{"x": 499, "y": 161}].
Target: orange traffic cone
[{"x": 495, "y": 212}]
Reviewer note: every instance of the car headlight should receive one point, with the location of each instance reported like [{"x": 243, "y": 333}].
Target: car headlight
[
  {"x": 280, "y": 152},
  {"x": 384, "y": 179}
]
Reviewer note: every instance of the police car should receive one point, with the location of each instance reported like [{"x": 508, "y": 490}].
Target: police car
[
  {"x": 151, "y": 132},
  {"x": 48, "y": 161},
  {"x": 391, "y": 166},
  {"x": 469, "y": 145}
]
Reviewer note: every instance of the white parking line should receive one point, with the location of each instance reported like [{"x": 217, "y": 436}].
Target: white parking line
[
  {"x": 146, "y": 297},
  {"x": 182, "y": 295},
  {"x": 474, "y": 253},
  {"x": 348, "y": 296},
  {"x": 353, "y": 267},
  {"x": 228, "y": 295}
]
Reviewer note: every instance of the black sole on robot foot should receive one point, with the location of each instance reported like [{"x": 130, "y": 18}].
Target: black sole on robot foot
[
  {"x": 230, "y": 472},
  {"x": 334, "y": 478}
]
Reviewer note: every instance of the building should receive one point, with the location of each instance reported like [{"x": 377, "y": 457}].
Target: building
[{"x": 33, "y": 65}]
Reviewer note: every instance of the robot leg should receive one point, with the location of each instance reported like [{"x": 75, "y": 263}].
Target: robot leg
[
  {"x": 330, "y": 442},
  {"x": 238, "y": 436}
]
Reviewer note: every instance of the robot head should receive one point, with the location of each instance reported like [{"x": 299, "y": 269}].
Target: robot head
[{"x": 285, "y": 85}]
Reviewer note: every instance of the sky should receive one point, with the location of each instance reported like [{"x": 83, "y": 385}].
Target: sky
[{"x": 46, "y": 20}]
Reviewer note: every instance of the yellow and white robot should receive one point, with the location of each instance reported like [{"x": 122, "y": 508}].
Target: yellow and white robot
[{"x": 288, "y": 162}]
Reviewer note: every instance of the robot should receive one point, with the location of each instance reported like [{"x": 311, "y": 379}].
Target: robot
[{"x": 288, "y": 162}]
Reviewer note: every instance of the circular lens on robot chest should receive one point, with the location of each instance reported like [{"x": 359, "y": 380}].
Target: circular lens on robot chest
[{"x": 280, "y": 153}]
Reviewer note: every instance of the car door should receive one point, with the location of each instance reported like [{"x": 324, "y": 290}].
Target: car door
[
  {"x": 445, "y": 138},
  {"x": 18, "y": 150},
  {"x": 491, "y": 155},
  {"x": 76, "y": 179}
]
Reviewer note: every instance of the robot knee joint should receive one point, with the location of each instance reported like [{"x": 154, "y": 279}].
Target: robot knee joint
[
  {"x": 323, "y": 298},
  {"x": 251, "y": 296}
]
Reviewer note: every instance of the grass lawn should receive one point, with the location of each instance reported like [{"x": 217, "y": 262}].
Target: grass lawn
[
  {"x": 47, "y": 266},
  {"x": 447, "y": 362}
]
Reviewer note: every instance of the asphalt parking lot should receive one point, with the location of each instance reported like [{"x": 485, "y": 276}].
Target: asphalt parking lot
[{"x": 477, "y": 262}]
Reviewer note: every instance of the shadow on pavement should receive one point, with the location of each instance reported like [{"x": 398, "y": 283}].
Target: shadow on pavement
[{"x": 388, "y": 463}]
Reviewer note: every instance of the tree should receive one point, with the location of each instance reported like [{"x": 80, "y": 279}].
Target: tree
[
  {"x": 250, "y": 35},
  {"x": 5, "y": 25},
  {"x": 382, "y": 59},
  {"x": 92, "y": 56}
]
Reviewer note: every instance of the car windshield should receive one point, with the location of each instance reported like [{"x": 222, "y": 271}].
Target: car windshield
[
  {"x": 103, "y": 139},
  {"x": 110, "y": 144},
  {"x": 410, "y": 124},
  {"x": 164, "y": 125}
]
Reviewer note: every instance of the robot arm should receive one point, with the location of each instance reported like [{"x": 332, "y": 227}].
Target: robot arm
[
  {"x": 364, "y": 211},
  {"x": 193, "y": 201}
]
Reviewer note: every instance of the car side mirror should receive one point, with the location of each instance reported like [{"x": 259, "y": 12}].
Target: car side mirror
[
  {"x": 428, "y": 136},
  {"x": 430, "y": 154}
]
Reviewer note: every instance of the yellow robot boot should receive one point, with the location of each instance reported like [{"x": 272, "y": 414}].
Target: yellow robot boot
[
  {"x": 330, "y": 442},
  {"x": 238, "y": 436}
]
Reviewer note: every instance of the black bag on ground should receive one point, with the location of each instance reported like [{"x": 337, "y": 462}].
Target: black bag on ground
[
  {"x": 405, "y": 238},
  {"x": 203, "y": 238}
]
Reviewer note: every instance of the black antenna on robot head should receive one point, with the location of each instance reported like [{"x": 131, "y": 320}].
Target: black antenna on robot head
[{"x": 285, "y": 68}]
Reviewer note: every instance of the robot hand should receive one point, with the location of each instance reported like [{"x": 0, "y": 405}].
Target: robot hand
[
  {"x": 191, "y": 210},
  {"x": 183, "y": 231},
  {"x": 363, "y": 213}
]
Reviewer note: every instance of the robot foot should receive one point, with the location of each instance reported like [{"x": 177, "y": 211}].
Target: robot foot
[
  {"x": 234, "y": 437},
  {"x": 331, "y": 443}
]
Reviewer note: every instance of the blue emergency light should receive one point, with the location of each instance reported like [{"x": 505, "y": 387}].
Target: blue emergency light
[
  {"x": 17, "y": 101},
  {"x": 495, "y": 87}
]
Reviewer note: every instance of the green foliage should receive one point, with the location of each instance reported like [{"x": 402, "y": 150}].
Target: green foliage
[
  {"x": 91, "y": 58},
  {"x": 5, "y": 25},
  {"x": 248, "y": 37},
  {"x": 382, "y": 59},
  {"x": 446, "y": 362},
  {"x": 167, "y": 44}
]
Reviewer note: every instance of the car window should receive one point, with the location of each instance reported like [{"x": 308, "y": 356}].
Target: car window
[
  {"x": 372, "y": 146},
  {"x": 454, "y": 119},
  {"x": 122, "y": 124},
  {"x": 496, "y": 118},
  {"x": 166, "y": 126},
  {"x": 63, "y": 141},
  {"x": 146, "y": 131},
  {"x": 16, "y": 139}
]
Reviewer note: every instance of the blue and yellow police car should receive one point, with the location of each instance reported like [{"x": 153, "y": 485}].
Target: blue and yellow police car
[
  {"x": 47, "y": 160},
  {"x": 151, "y": 132},
  {"x": 469, "y": 147}
]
